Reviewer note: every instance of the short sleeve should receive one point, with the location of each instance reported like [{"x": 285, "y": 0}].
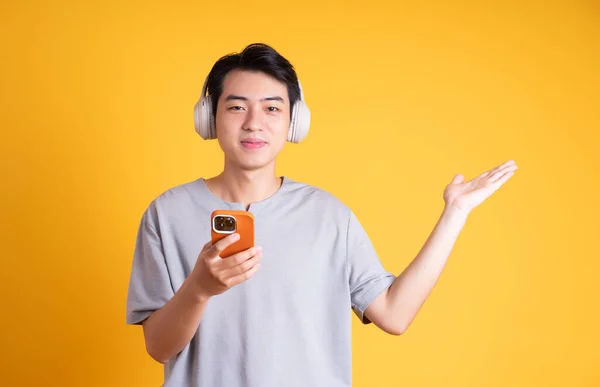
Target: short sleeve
[
  {"x": 149, "y": 284},
  {"x": 367, "y": 277}
]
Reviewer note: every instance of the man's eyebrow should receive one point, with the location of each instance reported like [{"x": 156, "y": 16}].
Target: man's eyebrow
[
  {"x": 241, "y": 98},
  {"x": 279, "y": 99}
]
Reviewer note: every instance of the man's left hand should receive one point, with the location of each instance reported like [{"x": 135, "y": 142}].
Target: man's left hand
[{"x": 465, "y": 196}]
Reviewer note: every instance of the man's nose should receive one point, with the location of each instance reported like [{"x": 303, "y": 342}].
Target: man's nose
[{"x": 253, "y": 120}]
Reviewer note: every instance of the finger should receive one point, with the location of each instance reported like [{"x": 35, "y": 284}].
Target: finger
[
  {"x": 207, "y": 246},
  {"x": 222, "y": 244},
  {"x": 244, "y": 266},
  {"x": 459, "y": 178},
  {"x": 236, "y": 259},
  {"x": 238, "y": 279},
  {"x": 497, "y": 168},
  {"x": 495, "y": 173},
  {"x": 501, "y": 180},
  {"x": 499, "y": 174},
  {"x": 506, "y": 164},
  {"x": 245, "y": 255},
  {"x": 484, "y": 174}
]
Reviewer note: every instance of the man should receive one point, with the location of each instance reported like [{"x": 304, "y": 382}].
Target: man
[{"x": 277, "y": 314}]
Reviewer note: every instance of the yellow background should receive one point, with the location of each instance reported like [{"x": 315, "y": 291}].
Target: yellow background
[{"x": 96, "y": 118}]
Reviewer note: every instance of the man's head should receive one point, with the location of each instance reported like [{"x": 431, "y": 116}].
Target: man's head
[
  {"x": 256, "y": 57},
  {"x": 252, "y": 95}
]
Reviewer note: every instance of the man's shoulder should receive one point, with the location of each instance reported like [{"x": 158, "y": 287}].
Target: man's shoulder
[
  {"x": 175, "y": 196},
  {"x": 315, "y": 195},
  {"x": 189, "y": 188}
]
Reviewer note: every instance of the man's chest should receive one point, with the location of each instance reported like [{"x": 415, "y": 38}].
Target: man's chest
[{"x": 295, "y": 249}]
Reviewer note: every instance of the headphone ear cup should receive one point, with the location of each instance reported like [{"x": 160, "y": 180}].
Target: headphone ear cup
[
  {"x": 292, "y": 129},
  {"x": 210, "y": 118},
  {"x": 203, "y": 118},
  {"x": 300, "y": 122},
  {"x": 204, "y": 121}
]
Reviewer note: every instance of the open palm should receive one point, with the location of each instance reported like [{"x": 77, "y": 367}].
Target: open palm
[{"x": 465, "y": 196}]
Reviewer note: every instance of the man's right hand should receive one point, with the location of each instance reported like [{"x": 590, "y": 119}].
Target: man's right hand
[{"x": 214, "y": 275}]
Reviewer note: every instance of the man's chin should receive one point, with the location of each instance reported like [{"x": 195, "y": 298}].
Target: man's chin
[{"x": 252, "y": 164}]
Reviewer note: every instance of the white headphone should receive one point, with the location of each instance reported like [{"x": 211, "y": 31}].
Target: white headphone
[{"x": 204, "y": 119}]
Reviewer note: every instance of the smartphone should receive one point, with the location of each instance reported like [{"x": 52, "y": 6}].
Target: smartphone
[{"x": 226, "y": 222}]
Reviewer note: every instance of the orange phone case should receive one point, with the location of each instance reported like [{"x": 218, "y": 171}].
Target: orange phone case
[{"x": 244, "y": 227}]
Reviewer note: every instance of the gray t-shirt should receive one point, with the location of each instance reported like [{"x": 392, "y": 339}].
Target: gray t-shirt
[{"x": 288, "y": 325}]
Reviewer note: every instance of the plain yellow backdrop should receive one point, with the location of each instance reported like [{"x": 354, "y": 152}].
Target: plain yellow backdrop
[{"x": 96, "y": 118}]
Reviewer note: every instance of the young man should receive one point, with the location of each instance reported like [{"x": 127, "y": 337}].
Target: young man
[{"x": 277, "y": 314}]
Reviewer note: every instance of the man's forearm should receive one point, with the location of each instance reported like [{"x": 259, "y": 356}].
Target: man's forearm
[
  {"x": 168, "y": 330},
  {"x": 412, "y": 287}
]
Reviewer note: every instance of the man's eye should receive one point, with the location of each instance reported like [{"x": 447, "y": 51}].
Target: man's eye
[
  {"x": 236, "y": 108},
  {"x": 273, "y": 109}
]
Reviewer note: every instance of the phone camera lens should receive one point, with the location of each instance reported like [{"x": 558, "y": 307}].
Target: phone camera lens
[{"x": 225, "y": 223}]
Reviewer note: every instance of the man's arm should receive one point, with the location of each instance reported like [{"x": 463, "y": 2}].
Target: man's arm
[
  {"x": 394, "y": 309},
  {"x": 169, "y": 329}
]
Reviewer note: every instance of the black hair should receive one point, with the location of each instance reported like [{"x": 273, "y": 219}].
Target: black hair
[{"x": 255, "y": 57}]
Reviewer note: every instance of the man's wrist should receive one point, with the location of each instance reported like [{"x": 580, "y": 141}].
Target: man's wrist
[
  {"x": 192, "y": 290},
  {"x": 454, "y": 215}
]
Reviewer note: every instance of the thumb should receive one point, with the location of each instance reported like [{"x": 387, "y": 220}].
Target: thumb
[{"x": 459, "y": 178}]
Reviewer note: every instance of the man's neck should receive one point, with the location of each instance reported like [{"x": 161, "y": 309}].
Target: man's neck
[{"x": 246, "y": 187}]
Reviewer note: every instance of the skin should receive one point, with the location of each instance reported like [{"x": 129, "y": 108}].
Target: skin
[{"x": 254, "y": 105}]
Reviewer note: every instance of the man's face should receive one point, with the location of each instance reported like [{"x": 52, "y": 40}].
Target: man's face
[{"x": 252, "y": 120}]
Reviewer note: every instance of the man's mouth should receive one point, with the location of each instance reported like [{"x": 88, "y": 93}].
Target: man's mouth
[{"x": 253, "y": 143}]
